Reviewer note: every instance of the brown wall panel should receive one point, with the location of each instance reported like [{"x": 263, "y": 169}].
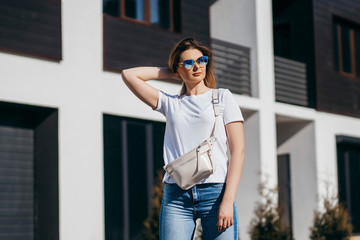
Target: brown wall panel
[
  {"x": 335, "y": 93},
  {"x": 31, "y": 28},
  {"x": 128, "y": 43}
]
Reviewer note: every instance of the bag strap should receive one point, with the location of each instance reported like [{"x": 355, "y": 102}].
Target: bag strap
[{"x": 215, "y": 101}]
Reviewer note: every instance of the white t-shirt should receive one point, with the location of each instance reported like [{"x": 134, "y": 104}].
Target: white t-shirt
[{"x": 190, "y": 120}]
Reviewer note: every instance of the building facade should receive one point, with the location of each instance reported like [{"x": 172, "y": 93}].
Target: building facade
[{"x": 79, "y": 152}]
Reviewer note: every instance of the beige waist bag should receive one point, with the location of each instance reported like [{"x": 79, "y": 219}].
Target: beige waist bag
[{"x": 198, "y": 164}]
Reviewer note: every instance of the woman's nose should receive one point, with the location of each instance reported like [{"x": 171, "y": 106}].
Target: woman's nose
[{"x": 196, "y": 66}]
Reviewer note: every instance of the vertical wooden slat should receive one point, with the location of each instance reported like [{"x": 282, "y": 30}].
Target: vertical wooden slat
[
  {"x": 147, "y": 11},
  {"x": 124, "y": 147},
  {"x": 149, "y": 163},
  {"x": 340, "y": 47},
  {"x": 352, "y": 52},
  {"x": 122, "y": 8},
  {"x": 172, "y": 28},
  {"x": 284, "y": 182}
]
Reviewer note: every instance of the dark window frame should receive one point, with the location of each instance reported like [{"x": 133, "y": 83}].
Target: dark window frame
[
  {"x": 44, "y": 122},
  {"x": 120, "y": 217},
  {"x": 347, "y": 147},
  {"x": 147, "y": 15},
  {"x": 338, "y": 24}
]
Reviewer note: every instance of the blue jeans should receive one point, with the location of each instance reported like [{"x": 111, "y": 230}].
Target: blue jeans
[{"x": 180, "y": 209}]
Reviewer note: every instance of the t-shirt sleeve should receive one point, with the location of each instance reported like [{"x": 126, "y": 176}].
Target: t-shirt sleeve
[
  {"x": 231, "y": 110},
  {"x": 161, "y": 105}
]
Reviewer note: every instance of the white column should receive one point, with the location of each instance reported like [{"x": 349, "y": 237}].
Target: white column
[
  {"x": 81, "y": 196},
  {"x": 266, "y": 90}
]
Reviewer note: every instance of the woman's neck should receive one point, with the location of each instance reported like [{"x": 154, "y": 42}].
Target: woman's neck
[{"x": 196, "y": 89}]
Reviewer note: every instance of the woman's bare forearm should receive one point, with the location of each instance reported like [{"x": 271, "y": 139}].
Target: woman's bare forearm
[
  {"x": 135, "y": 79},
  {"x": 234, "y": 175},
  {"x": 235, "y": 133},
  {"x": 147, "y": 73}
]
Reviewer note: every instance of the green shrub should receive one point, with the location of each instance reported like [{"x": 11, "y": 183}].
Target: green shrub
[
  {"x": 333, "y": 223},
  {"x": 267, "y": 223}
]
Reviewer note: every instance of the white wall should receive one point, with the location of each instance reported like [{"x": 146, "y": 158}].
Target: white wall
[
  {"x": 313, "y": 160},
  {"x": 327, "y": 127},
  {"x": 301, "y": 147},
  {"x": 247, "y": 194}
]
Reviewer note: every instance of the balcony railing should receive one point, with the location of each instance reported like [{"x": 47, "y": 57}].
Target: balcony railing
[
  {"x": 291, "y": 82},
  {"x": 232, "y": 66}
]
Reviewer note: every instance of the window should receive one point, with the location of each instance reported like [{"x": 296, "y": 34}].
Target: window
[
  {"x": 132, "y": 158},
  {"x": 29, "y": 202},
  {"x": 347, "y": 48},
  {"x": 161, "y": 13},
  {"x": 282, "y": 40},
  {"x": 348, "y": 155}
]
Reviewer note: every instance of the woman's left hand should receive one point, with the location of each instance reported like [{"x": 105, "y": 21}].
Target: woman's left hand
[{"x": 225, "y": 216}]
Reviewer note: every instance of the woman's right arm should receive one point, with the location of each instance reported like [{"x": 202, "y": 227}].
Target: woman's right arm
[{"x": 135, "y": 79}]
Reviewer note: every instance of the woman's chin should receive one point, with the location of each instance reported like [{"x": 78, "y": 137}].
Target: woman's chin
[{"x": 194, "y": 80}]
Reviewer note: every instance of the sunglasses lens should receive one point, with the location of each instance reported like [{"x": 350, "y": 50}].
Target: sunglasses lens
[
  {"x": 203, "y": 60},
  {"x": 188, "y": 63}
]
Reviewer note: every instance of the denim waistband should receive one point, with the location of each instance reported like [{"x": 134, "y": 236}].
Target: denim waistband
[{"x": 201, "y": 185}]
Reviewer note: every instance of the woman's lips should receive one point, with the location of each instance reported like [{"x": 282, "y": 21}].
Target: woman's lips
[{"x": 197, "y": 74}]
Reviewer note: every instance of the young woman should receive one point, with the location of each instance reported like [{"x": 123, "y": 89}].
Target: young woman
[{"x": 189, "y": 121}]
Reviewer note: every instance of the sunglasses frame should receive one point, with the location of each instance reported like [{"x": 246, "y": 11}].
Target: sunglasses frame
[{"x": 193, "y": 62}]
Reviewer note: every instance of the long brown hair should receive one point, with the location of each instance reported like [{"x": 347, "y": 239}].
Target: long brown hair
[{"x": 191, "y": 43}]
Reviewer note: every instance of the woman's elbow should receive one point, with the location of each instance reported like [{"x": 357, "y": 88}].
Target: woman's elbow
[
  {"x": 124, "y": 75},
  {"x": 239, "y": 153}
]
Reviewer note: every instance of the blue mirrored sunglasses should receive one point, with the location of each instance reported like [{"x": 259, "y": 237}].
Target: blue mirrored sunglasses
[{"x": 189, "y": 63}]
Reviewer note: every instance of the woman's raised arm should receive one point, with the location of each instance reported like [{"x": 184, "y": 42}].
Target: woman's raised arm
[{"x": 135, "y": 79}]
